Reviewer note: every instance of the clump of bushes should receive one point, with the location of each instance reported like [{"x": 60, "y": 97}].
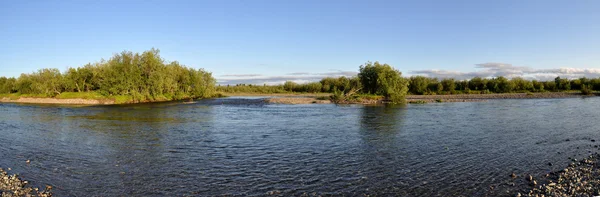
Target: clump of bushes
[{"x": 585, "y": 90}]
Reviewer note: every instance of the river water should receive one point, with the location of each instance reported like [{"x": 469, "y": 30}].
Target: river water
[{"x": 242, "y": 146}]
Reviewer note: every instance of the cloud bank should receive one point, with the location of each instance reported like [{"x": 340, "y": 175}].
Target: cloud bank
[
  {"x": 510, "y": 71},
  {"x": 298, "y": 77},
  {"x": 484, "y": 70}
]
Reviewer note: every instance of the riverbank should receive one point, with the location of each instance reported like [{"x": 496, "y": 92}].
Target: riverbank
[
  {"x": 58, "y": 101},
  {"x": 421, "y": 99},
  {"x": 12, "y": 185},
  {"x": 85, "y": 98},
  {"x": 285, "y": 98}
]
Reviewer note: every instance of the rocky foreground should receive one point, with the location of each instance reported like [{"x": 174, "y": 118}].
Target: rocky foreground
[
  {"x": 13, "y": 186},
  {"x": 580, "y": 178}
]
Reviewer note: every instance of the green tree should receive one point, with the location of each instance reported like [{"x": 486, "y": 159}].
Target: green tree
[
  {"x": 418, "y": 85},
  {"x": 382, "y": 79},
  {"x": 289, "y": 86},
  {"x": 449, "y": 85}
]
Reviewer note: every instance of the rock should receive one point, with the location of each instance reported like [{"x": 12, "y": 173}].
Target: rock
[
  {"x": 274, "y": 192},
  {"x": 14, "y": 186}
]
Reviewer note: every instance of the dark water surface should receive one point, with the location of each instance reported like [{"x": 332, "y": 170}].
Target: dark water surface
[{"x": 237, "y": 146}]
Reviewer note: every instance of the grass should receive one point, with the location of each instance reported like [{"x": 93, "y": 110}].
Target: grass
[{"x": 15, "y": 96}]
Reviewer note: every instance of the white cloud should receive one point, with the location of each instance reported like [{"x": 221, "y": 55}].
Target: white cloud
[
  {"x": 510, "y": 71},
  {"x": 299, "y": 77}
]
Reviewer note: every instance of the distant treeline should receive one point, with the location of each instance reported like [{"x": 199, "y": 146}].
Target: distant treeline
[
  {"x": 477, "y": 85},
  {"x": 420, "y": 85},
  {"x": 373, "y": 78},
  {"x": 137, "y": 77}
]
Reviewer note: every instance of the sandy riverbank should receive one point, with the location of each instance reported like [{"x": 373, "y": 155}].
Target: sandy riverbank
[{"x": 58, "y": 101}]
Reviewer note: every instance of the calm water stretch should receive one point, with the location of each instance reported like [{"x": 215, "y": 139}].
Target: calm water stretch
[{"x": 241, "y": 146}]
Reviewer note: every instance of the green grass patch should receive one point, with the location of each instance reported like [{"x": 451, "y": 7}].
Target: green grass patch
[
  {"x": 15, "y": 96},
  {"x": 121, "y": 99}
]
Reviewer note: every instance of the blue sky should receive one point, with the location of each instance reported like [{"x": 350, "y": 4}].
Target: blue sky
[{"x": 267, "y": 41}]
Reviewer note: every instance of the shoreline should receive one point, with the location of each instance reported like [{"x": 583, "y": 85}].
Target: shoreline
[
  {"x": 317, "y": 98},
  {"x": 12, "y": 185},
  {"x": 579, "y": 178},
  {"x": 81, "y": 101},
  {"x": 422, "y": 99},
  {"x": 75, "y": 101}
]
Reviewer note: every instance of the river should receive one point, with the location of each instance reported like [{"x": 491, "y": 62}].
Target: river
[{"x": 242, "y": 146}]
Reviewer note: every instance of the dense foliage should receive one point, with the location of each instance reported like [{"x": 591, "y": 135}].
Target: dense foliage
[
  {"x": 138, "y": 77},
  {"x": 478, "y": 85},
  {"x": 382, "y": 79}
]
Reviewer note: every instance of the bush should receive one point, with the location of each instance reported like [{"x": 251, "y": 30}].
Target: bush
[
  {"x": 337, "y": 96},
  {"x": 585, "y": 90}
]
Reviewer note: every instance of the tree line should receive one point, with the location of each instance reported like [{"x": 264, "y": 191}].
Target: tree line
[
  {"x": 147, "y": 77},
  {"x": 382, "y": 79},
  {"x": 374, "y": 78},
  {"x": 138, "y": 77},
  {"x": 477, "y": 85}
]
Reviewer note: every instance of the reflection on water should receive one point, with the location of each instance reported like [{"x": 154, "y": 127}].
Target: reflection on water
[{"x": 242, "y": 146}]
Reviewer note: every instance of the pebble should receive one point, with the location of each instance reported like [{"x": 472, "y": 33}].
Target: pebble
[
  {"x": 12, "y": 185},
  {"x": 578, "y": 179}
]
